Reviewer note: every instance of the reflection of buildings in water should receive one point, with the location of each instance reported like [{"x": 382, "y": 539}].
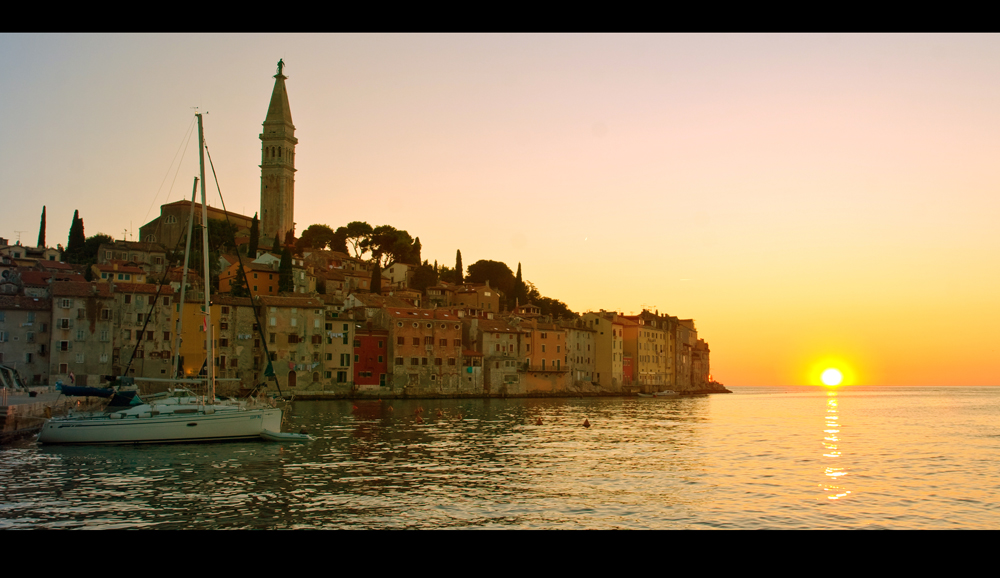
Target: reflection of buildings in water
[{"x": 831, "y": 450}]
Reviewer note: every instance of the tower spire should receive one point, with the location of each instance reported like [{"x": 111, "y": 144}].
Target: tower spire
[{"x": 277, "y": 168}]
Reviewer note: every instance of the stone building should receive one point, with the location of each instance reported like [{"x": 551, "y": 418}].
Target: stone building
[
  {"x": 25, "y": 324},
  {"x": 425, "y": 346},
  {"x": 609, "y": 344},
  {"x": 84, "y": 340},
  {"x": 499, "y": 344}
]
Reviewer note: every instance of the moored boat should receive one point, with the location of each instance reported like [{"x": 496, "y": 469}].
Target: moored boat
[{"x": 180, "y": 416}]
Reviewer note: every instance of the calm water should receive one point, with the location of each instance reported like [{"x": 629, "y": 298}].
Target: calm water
[{"x": 861, "y": 457}]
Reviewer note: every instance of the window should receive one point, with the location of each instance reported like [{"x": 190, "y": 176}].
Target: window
[
  {"x": 128, "y": 299},
  {"x": 416, "y": 342},
  {"x": 451, "y": 361},
  {"x": 457, "y": 343},
  {"x": 400, "y": 341},
  {"x": 443, "y": 342},
  {"x": 414, "y": 361},
  {"x": 438, "y": 361}
]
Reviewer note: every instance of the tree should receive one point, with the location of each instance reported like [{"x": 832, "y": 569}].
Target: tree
[
  {"x": 74, "y": 246},
  {"x": 315, "y": 237},
  {"x": 91, "y": 246},
  {"x": 389, "y": 245},
  {"x": 290, "y": 238},
  {"x": 238, "y": 286},
  {"x": 285, "y": 281},
  {"x": 254, "y": 243},
  {"x": 459, "y": 274},
  {"x": 339, "y": 241},
  {"x": 41, "y": 230},
  {"x": 355, "y": 233},
  {"x": 276, "y": 248},
  {"x": 498, "y": 274},
  {"x": 424, "y": 276},
  {"x": 415, "y": 256},
  {"x": 377, "y": 276},
  {"x": 520, "y": 296}
]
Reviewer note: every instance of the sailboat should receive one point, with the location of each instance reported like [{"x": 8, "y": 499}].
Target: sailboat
[{"x": 180, "y": 415}]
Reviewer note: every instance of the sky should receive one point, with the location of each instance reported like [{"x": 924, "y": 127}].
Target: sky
[{"x": 809, "y": 200}]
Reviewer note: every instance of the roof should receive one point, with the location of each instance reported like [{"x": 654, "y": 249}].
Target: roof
[
  {"x": 25, "y": 303},
  {"x": 235, "y": 301},
  {"x": 273, "y": 301},
  {"x": 279, "y": 111},
  {"x": 78, "y": 289}
]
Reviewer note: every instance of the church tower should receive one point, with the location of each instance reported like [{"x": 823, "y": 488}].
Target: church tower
[{"x": 277, "y": 168}]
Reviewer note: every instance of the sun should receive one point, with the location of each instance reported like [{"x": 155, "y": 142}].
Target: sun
[{"x": 831, "y": 377}]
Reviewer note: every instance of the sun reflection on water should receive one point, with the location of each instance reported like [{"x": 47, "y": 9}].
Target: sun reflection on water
[{"x": 831, "y": 453}]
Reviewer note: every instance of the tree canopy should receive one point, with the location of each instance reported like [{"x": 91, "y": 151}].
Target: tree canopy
[
  {"x": 498, "y": 274},
  {"x": 355, "y": 234}
]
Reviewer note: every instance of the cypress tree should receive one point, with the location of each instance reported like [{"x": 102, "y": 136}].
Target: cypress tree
[
  {"x": 416, "y": 252},
  {"x": 459, "y": 275},
  {"x": 74, "y": 246},
  {"x": 377, "y": 276},
  {"x": 252, "y": 246},
  {"x": 41, "y": 230},
  {"x": 285, "y": 281},
  {"x": 276, "y": 248}
]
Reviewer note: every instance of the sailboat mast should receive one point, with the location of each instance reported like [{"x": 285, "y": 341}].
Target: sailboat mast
[
  {"x": 210, "y": 359},
  {"x": 184, "y": 279}
]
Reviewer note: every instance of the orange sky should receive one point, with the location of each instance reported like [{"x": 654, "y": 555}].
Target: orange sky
[{"x": 799, "y": 196}]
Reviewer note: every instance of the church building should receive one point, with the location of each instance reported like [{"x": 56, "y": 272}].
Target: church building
[{"x": 277, "y": 183}]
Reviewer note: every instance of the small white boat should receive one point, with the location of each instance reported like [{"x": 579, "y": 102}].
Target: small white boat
[{"x": 277, "y": 436}]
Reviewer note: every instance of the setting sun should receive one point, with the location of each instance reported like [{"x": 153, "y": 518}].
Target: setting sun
[{"x": 832, "y": 377}]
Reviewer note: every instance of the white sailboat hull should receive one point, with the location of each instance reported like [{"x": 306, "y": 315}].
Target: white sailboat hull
[{"x": 164, "y": 428}]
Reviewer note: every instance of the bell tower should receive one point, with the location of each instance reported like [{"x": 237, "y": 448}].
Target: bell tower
[{"x": 277, "y": 164}]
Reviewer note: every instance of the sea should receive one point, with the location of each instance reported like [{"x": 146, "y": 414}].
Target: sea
[{"x": 759, "y": 458}]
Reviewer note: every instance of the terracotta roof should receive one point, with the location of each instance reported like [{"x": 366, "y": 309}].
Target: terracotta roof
[
  {"x": 77, "y": 289},
  {"x": 471, "y": 353},
  {"x": 25, "y": 303},
  {"x": 236, "y": 301},
  {"x": 55, "y": 266},
  {"x": 272, "y": 301},
  {"x": 35, "y": 278}
]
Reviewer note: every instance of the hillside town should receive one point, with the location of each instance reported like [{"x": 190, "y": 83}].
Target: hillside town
[{"x": 346, "y": 312}]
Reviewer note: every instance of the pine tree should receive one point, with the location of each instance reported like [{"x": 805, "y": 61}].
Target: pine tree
[
  {"x": 74, "y": 246},
  {"x": 41, "y": 230},
  {"x": 252, "y": 246},
  {"x": 459, "y": 274}
]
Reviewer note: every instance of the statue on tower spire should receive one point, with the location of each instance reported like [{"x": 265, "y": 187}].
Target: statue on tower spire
[{"x": 281, "y": 64}]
